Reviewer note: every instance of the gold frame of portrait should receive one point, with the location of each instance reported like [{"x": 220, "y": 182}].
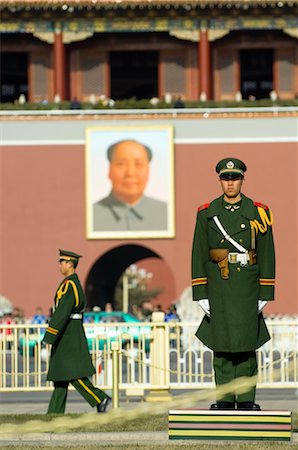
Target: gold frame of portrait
[{"x": 149, "y": 135}]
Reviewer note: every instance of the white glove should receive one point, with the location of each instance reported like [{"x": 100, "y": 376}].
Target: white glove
[
  {"x": 204, "y": 304},
  {"x": 261, "y": 305}
]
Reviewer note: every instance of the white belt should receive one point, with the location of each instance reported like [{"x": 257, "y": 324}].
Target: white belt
[
  {"x": 227, "y": 236},
  {"x": 76, "y": 316},
  {"x": 242, "y": 258}
]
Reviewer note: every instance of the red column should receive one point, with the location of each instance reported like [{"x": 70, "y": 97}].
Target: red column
[
  {"x": 59, "y": 64},
  {"x": 205, "y": 64}
]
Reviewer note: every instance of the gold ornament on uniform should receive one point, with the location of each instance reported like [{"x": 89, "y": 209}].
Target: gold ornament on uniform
[
  {"x": 64, "y": 288},
  {"x": 266, "y": 221},
  {"x": 61, "y": 291}
]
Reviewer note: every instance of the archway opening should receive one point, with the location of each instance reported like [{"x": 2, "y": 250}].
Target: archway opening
[
  {"x": 104, "y": 275},
  {"x": 14, "y": 77},
  {"x": 134, "y": 74},
  {"x": 256, "y": 73}
]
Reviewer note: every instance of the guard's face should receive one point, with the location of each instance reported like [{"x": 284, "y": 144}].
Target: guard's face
[
  {"x": 129, "y": 171},
  {"x": 64, "y": 267},
  {"x": 231, "y": 188}
]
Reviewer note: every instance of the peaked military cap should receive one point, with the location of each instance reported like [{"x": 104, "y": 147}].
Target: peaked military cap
[
  {"x": 229, "y": 168},
  {"x": 68, "y": 256}
]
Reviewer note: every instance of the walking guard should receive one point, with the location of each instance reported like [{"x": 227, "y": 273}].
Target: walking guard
[
  {"x": 233, "y": 277},
  {"x": 70, "y": 360}
]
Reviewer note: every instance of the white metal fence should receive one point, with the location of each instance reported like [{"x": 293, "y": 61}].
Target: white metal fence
[
  {"x": 173, "y": 111},
  {"x": 152, "y": 355}
]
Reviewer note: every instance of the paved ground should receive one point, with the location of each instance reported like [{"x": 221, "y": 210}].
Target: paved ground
[
  {"x": 104, "y": 439},
  {"x": 139, "y": 439},
  {"x": 36, "y": 403}
]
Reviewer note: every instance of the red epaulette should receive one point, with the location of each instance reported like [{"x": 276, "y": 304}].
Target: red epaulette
[
  {"x": 261, "y": 205},
  {"x": 202, "y": 207}
]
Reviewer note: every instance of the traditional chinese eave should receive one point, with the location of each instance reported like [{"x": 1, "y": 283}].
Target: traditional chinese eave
[
  {"x": 71, "y": 5},
  {"x": 80, "y": 19}
]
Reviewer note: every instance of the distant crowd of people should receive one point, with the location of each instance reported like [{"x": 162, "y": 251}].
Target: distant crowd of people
[
  {"x": 17, "y": 316},
  {"x": 143, "y": 313}
]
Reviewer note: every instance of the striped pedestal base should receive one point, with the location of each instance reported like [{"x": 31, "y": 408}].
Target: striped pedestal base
[{"x": 230, "y": 425}]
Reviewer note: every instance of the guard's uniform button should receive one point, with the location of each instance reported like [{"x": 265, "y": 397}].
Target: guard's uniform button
[
  {"x": 222, "y": 241},
  {"x": 238, "y": 269},
  {"x": 241, "y": 241}
]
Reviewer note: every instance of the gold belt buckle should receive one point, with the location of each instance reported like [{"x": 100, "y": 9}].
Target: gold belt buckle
[{"x": 233, "y": 257}]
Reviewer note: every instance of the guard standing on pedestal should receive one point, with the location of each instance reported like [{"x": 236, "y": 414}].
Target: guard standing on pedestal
[
  {"x": 70, "y": 359},
  {"x": 233, "y": 270}
]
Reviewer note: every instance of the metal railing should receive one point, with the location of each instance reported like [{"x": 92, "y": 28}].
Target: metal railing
[
  {"x": 152, "y": 355},
  {"x": 274, "y": 109}
]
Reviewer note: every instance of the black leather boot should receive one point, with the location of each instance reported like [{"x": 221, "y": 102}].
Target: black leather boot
[
  {"x": 102, "y": 407},
  {"x": 223, "y": 405},
  {"x": 248, "y": 406}
]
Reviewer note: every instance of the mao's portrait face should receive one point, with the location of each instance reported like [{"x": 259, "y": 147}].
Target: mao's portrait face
[
  {"x": 129, "y": 175},
  {"x": 129, "y": 171}
]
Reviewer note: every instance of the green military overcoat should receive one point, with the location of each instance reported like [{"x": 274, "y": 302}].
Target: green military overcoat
[
  {"x": 70, "y": 358},
  {"x": 234, "y": 324}
]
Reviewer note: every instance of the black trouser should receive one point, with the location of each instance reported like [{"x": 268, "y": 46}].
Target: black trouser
[{"x": 229, "y": 366}]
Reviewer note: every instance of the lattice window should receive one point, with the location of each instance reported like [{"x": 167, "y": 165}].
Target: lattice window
[
  {"x": 92, "y": 69},
  {"x": 286, "y": 71},
  {"x": 175, "y": 73},
  {"x": 39, "y": 73},
  {"x": 225, "y": 66}
]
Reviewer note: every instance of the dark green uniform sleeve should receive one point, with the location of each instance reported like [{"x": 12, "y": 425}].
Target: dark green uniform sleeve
[
  {"x": 61, "y": 315},
  {"x": 266, "y": 262},
  {"x": 200, "y": 256}
]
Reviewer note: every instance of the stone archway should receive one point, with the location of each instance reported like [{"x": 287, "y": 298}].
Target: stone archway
[{"x": 106, "y": 271}]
